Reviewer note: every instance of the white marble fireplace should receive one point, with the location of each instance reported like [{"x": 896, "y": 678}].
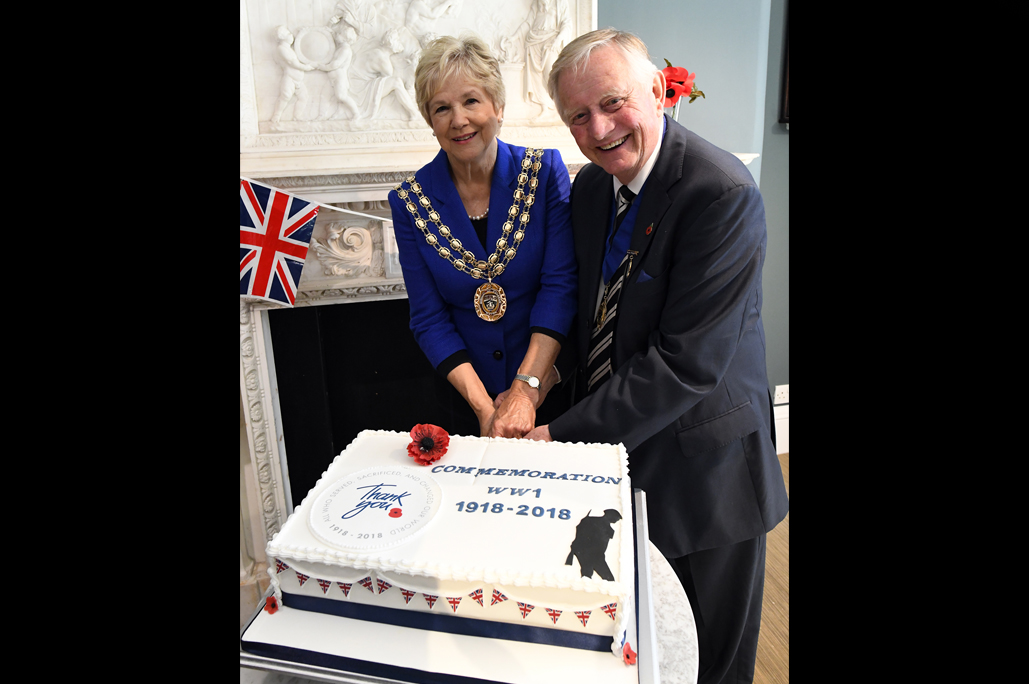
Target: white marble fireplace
[{"x": 325, "y": 113}]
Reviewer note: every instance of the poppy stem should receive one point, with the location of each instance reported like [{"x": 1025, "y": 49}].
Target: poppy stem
[{"x": 675, "y": 112}]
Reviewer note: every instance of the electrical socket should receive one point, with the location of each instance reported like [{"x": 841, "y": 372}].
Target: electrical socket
[{"x": 782, "y": 395}]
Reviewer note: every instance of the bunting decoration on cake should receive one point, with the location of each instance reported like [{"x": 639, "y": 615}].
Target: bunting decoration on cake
[
  {"x": 430, "y": 599},
  {"x": 275, "y": 230},
  {"x": 583, "y": 616},
  {"x": 526, "y": 608},
  {"x": 611, "y": 609},
  {"x": 454, "y": 602},
  {"x": 477, "y": 595},
  {"x": 554, "y": 614},
  {"x": 280, "y": 566},
  {"x": 497, "y": 598},
  {"x": 383, "y": 585},
  {"x": 408, "y": 594},
  {"x": 345, "y": 586},
  {"x": 367, "y": 584},
  {"x": 324, "y": 584},
  {"x": 301, "y": 577}
]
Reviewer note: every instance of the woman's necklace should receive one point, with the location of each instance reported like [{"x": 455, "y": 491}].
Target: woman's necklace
[{"x": 490, "y": 300}]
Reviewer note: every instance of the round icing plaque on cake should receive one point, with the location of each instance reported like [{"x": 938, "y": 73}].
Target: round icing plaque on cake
[{"x": 375, "y": 508}]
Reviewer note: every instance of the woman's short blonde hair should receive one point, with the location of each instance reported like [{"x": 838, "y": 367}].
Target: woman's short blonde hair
[{"x": 446, "y": 57}]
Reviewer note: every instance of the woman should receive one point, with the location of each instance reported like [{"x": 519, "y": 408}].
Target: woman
[{"x": 485, "y": 244}]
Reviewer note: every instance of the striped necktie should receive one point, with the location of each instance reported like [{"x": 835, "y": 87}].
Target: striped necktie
[{"x": 598, "y": 363}]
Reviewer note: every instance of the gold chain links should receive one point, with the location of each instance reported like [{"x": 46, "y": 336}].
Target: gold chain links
[{"x": 505, "y": 251}]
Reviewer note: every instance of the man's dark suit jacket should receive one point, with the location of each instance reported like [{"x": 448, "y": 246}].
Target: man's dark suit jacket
[{"x": 689, "y": 397}]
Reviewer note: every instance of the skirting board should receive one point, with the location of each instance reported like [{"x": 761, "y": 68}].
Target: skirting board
[{"x": 782, "y": 428}]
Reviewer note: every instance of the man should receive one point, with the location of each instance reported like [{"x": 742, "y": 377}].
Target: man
[{"x": 671, "y": 345}]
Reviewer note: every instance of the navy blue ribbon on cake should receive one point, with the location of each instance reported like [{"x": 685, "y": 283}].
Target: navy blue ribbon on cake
[{"x": 448, "y": 623}]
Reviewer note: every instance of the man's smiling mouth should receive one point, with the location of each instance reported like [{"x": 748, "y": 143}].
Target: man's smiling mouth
[{"x": 615, "y": 144}]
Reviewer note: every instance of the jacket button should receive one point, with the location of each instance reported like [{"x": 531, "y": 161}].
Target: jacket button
[{"x": 498, "y": 355}]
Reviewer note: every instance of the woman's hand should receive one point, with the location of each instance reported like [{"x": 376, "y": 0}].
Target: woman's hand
[{"x": 516, "y": 412}]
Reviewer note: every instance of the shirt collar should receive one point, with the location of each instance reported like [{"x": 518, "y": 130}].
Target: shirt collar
[{"x": 636, "y": 184}]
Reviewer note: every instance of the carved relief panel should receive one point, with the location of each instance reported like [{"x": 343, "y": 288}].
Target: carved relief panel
[{"x": 327, "y": 86}]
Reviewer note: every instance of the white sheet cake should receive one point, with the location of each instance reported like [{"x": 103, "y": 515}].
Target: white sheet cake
[{"x": 480, "y": 542}]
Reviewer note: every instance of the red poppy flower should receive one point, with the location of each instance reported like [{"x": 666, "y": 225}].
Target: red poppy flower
[
  {"x": 428, "y": 443},
  {"x": 271, "y": 605},
  {"x": 395, "y": 512},
  {"x": 678, "y": 82},
  {"x": 628, "y": 654}
]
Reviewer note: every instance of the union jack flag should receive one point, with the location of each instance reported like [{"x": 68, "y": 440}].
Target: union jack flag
[
  {"x": 554, "y": 614},
  {"x": 367, "y": 584},
  {"x": 383, "y": 585},
  {"x": 324, "y": 584},
  {"x": 274, "y": 231},
  {"x": 407, "y": 595},
  {"x": 345, "y": 586},
  {"x": 583, "y": 615},
  {"x": 526, "y": 608},
  {"x": 610, "y": 609},
  {"x": 302, "y": 577},
  {"x": 454, "y": 602},
  {"x": 477, "y": 595},
  {"x": 430, "y": 599},
  {"x": 280, "y": 566},
  {"x": 497, "y": 598}
]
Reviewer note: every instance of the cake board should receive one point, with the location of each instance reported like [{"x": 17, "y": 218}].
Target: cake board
[{"x": 337, "y": 649}]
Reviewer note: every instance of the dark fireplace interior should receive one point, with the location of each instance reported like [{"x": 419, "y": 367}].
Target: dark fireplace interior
[{"x": 345, "y": 368}]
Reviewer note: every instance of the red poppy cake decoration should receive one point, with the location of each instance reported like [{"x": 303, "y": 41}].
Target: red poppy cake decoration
[{"x": 428, "y": 443}]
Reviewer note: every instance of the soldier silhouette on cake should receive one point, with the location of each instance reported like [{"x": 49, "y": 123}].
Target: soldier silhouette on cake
[{"x": 590, "y": 544}]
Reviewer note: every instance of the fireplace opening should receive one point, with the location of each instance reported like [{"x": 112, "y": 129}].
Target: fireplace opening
[{"x": 345, "y": 368}]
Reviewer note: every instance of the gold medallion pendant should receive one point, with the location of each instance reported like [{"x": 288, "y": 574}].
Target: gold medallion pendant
[{"x": 490, "y": 302}]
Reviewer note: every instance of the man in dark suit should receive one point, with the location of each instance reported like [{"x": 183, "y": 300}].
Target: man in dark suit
[{"x": 671, "y": 345}]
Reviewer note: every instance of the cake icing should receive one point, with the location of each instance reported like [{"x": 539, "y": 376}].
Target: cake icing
[{"x": 498, "y": 530}]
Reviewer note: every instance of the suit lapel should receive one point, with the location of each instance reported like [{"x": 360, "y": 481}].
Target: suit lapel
[
  {"x": 592, "y": 237},
  {"x": 655, "y": 202}
]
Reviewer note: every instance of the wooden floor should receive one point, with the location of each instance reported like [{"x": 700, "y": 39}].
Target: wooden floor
[{"x": 773, "y": 648}]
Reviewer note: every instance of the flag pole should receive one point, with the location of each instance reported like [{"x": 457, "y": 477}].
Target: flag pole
[{"x": 323, "y": 206}]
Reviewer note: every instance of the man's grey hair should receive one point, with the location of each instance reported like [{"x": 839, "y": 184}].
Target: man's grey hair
[{"x": 576, "y": 56}]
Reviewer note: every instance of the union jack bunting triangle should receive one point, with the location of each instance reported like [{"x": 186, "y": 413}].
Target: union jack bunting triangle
[
  {"x": 554, "y": 614},
  {"x": 345, "y": 586},
  {"x": 302, "y": 577},
  {"x": 454, "y": 602},
  {"x": 324, "y": 584},
  {"x": 583, "y": 615},
  {"x": 367, "y": 584},
  {"x": 275, "y": 230},
  {"x": 611, "y": 609},
  {"x": 497, "y": 598},
  {"x": 280, "y": 566},
  {"x": 383, "y": 585},
  {"x": 430, "y": 599},
  {"x": 407, "y": 595},
  {"x": 526, "y": 608},
  {"x": 477, "y": 595}
]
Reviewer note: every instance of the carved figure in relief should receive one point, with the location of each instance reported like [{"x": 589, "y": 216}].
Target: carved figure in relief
[
  {"x": 421, "y": 16},
  {"x": 292, "y": 81},
  {"x": 339, "y": 68},
  {"x": 377, "y": 67},
  {"x": 548, "y": 21}
]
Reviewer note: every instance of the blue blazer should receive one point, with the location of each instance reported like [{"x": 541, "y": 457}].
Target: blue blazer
[{"x": 540, "y": 282}]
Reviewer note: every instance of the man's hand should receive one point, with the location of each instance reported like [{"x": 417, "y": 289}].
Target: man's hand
[{"x": 540, "y": 434}]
